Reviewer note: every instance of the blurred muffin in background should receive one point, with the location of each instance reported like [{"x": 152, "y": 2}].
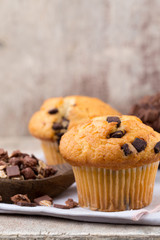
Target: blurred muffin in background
[
  {"x": 148, "y": 110},
  {"x": 56, "y": 115}
]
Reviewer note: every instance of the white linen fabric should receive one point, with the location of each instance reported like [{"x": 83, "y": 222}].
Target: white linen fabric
[{"x": 146, "y": 216}]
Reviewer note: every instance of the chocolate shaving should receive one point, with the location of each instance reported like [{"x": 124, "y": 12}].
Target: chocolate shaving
[{"x": 26, "y": 204}]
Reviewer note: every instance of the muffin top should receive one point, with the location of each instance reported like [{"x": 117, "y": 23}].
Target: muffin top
[
  {"x": 56, "y": 115},
  {"x": 112, "y": 142}
]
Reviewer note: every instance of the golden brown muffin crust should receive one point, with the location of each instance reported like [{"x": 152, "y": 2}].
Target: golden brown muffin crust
[
  {"x": 99, "y": 143},
  {"x": 73, "y": 108}
]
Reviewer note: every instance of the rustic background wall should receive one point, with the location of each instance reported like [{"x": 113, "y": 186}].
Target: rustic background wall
[{"x": 104, "y": 48}]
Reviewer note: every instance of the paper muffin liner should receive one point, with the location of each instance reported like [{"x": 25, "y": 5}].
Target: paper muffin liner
[
  {"x": 108, "y": 190},
  {"x": 51, "y": 152}
]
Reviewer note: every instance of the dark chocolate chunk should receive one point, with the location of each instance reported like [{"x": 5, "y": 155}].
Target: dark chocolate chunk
[
  {"x": 3, "y": 155},
  {"x": 53, "y": 111},
  {"x": 57, "y": 126},
  {"x": 157, "y": 147},
  {"x": 28, "y": 173},
  {"x": 114, "y": 119},
  {"x": 1, "y": 198},
  {"x": 49, "y": 171},
  {"x": 71, "y": 203},
  {"x": 29, "y": 161},
  {"x": 126, "y": 149},
  {"x": 13, "y": 171},
  {"x": 17, "y": 153},
  {"x": 61, "y": 206},
  {"x": 23, "y": 198},
  {"x": 26, "y": 204},
  {"x": 139, "y": 144},
  {"x": 43, "y": 198},
  {"x": 117, "y": 134},
  {"x": 16, "y": 161},
  {"x": 60, "y": 134}
]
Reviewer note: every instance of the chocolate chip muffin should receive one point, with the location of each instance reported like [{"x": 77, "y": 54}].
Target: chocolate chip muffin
[
  {"x": 148, "y": 110},
  {"x": 56, "y": 115},
  {"x": 115, "y": 160}
]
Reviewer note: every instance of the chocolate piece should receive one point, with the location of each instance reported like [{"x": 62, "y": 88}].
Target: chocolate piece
[
  {"x": 29, "y": 162},
  {"x": 28, "y": 173},
  {"x": 57, "y": 126},
  {"x": 26, "y": 204},
  {"x": 61, "y": 206},
  {"x": 3, "y": 155},
  {"x": 23, "y": 198},
  {"x": 1, "y": 198},
  {"x": 157, "y": 147},
  {"x": 71, "y": 203},
  {"x": 17, "y": 153},
  {"x": 148, "y": 110},
  {"x": 126, "y": 149},
  {"x": 13, "y": 171},
  {"x": 117, "y": 134},
  {"x": 16, "y": 161},
  {"x": 139, "y": 144},
  {"x": 53, "y": 111},
  {"x": 49, "y": 171},
  {"x": 114, "y": 119},
  {"x": 43, "y": 198}
]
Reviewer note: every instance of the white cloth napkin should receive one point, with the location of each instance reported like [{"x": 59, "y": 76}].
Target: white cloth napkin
[{"x": 147, "y": 216}]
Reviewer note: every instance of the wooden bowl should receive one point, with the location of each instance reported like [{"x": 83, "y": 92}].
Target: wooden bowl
[{"x": 51, "y": 186}]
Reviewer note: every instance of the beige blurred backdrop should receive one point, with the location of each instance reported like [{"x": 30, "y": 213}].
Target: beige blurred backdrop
[{"x": 104, "y": 48}]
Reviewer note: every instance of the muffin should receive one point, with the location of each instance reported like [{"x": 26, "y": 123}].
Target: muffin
[
  {"x": 56, "y": 115},
  {"x": 148, "y": 110},
  {"x": 115, "y": 160}
]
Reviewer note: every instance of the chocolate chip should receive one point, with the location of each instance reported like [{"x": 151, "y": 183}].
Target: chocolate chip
[
  {"x": 53, "y": 111},
  {"x": 1, "y": 198},
  {"x": 114, "y": 119},
  {"x": 28, "y": 173},
  {"x": 71, "y": 203},
  {"x": 57, "y": 126},
  {"x": 13, "y": 171},
  {"x": 43, "y": 198},
  {"x": 117, "y": 134},
  {"x": 61, "y": 206},
  {"x": 139, "y": 144},
  {"x": 157, "y": 147},
  {"x": 126, "y": 149}
]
